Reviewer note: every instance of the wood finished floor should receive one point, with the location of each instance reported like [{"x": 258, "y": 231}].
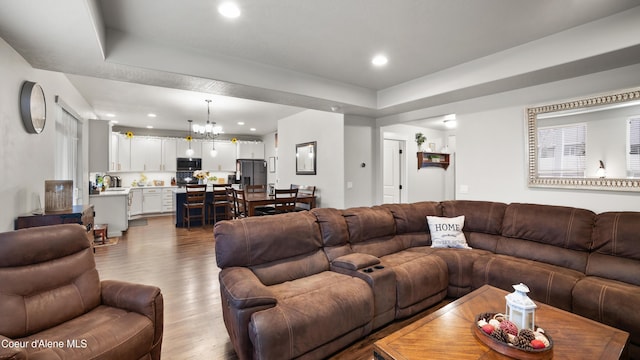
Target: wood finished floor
[{"x": 182, "y": 264}]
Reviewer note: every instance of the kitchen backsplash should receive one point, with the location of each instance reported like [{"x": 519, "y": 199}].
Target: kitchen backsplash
[{"x": 132, "y": 178}]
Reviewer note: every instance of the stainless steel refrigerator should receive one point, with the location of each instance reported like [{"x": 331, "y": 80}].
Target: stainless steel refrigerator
[{"x": 251, "y": 172}]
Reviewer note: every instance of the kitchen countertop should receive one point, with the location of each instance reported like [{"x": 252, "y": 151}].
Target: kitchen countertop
[
  {"x": 182, "y": 190},
  {"x": 121, "y": 191},
  {"x": 113, "y": 192}
]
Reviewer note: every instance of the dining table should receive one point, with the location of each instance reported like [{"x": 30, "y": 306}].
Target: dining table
[{"x": 254, "y": 200}]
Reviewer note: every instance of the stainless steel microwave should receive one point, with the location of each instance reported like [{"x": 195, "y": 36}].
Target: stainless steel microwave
[{"x": 189, "y": 164}]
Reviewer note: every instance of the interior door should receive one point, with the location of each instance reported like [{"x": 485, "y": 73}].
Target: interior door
[{"x": 392, "y": 163}]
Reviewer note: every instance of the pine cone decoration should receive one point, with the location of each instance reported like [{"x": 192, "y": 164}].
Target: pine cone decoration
[
  {"x": 486, "y": 316},
  {"x": 500, "y": 335},
  {"x": 522, "y": 343},
  {"x": 527, "y": 334}
]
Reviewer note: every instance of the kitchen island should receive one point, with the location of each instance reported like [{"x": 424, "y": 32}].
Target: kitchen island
[{"x": 180, "y": 197}]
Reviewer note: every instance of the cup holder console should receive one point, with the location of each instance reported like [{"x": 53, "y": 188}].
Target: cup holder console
[{"x": 373, "y": 268}]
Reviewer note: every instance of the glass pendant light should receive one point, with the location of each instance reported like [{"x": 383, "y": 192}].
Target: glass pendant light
[{"x": 190, "y": 151}]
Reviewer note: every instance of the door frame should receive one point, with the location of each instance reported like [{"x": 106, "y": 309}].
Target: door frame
[{"x": 402, "y": 163}]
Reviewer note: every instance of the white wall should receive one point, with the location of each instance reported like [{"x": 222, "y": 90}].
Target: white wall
[
  {"x": 358, "y": 150},
  {"x": 491, "y": 145},
  {"x": 425, "y": 184},
  {"x": 270, "y": 150},
  {"x": 27, "y": 160},
  {"x": 327, "y": 129}
]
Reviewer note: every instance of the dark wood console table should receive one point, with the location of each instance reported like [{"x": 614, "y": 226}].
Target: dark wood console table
[{"x": 79, "y": 214}]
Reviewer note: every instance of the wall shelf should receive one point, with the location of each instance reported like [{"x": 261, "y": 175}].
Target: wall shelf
[{"x": 431, "y": 159}]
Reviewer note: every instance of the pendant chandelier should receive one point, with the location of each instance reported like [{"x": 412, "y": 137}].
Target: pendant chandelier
[{"x": 209, "y": 130}]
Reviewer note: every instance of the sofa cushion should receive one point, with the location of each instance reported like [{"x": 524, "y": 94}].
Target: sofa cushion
[
  {"x": 369, "y": 223},
  {"x": 103, "y": 333},
  {"x": 421, "y": 280},
  {"x": 334, "y": 231},
  {"x": 259, "y": 240},
  {"x": 610, "y": 302},
  {"x": 480, "y": 216},
  {"x": 459, "y": 264},
  {"x": 560, "y": 226},
  {"x": 372, "y": 231},
  {"x": 549, "y": 284},
  {"x": 447, "y": 232},
  {"x": 55, "y": 281},
  {"x": 409, "y": 218},
  {"x": 616, "y": 244},
  {"x": 311, "y": 312},
  {"x": 411, "y": 227},
  {"x": 555, "y": 235}
]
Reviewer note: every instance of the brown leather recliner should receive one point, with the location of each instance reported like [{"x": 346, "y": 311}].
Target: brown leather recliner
[{"x": 54, "y": 306}]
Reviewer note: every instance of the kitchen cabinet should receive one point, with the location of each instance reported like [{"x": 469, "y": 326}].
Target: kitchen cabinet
[
  {"x": 120, "y": 153},
  {"x": 146, "y": 153},
  {"x": 135, "y": 202},
  {"x": 169, "y": 151},
  {"x": 224, "y": 161},
  {"x": 151, "y": 200},
  {"x": 99, "y": 145},
  {"x": 183, "y": 145},
  {"x": 111, "y": 209},
  {"x": 250, "y": 150},
  {"x": 167, "y": 200}
]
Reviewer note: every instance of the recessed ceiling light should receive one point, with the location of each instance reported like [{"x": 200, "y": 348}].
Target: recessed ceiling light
[
  {"x": 229, "y": 10},
  {"x": 252, "y": 129},
  {"x": 151, "y": 115},
  {"x": 379, "y": 60},
  {"x": 149, "y": 127},
  {"x": 110, "y": 115},
  {"x": 240, "y": 123},
  {"x": 114, "y": 121}
]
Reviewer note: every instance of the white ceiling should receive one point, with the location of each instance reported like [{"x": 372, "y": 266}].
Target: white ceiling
[{"x": 132, "y": 57}]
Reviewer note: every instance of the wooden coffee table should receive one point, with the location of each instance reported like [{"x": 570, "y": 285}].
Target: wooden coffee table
[{"x": 448, "y": 333}]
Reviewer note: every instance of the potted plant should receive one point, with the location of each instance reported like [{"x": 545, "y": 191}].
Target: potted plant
[{"x": 420, "y": 139}]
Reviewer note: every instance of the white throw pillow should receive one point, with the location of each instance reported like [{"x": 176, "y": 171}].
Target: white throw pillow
[{"x": 447, "y": 232}]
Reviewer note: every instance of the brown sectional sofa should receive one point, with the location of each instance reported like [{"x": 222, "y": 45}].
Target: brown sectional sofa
[{"x": 307, "y": 284}]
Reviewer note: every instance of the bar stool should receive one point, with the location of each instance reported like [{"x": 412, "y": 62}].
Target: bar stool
[{"x": 195, "y": 199}]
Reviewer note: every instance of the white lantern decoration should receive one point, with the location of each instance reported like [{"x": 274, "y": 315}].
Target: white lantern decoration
[{"x": 520, "y": 309}]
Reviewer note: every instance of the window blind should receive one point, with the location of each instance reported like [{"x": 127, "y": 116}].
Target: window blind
[{"x": 562, "y": 150}]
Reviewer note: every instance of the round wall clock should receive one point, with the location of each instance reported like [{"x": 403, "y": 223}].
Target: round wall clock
[{"x": 33, "y": 107}]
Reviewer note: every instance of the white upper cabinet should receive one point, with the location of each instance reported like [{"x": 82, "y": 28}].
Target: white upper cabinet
[
  {"x": 250, "y": 150},
  {"x": 183, "y": 145},
  {"x": 146, "y": 154},
  {"x": 169, "y": 154},
  {"x": 225, "y": 160},
  {"x": 120, "y": 153}
]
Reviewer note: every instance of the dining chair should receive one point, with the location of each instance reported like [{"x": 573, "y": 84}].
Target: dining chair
[
  {"x": 219, "y": 207},
  {"x": 195, "y": 200},
  {"x": 233, "y": 202},
  {"x": 284, "y": 201},
  {"x": 239, "y": 203},
  {"x": 309, "y": 190}
]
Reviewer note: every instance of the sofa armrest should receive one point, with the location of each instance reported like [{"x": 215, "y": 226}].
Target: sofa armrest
[
  {"x": 143, "y": 299},
  {"x": 355, "y": 261},
  {"x": 7, "y": 351},
  {"x": 243, "y": 289}
]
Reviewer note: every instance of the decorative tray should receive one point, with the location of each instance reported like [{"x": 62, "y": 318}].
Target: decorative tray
[{"x": 508, "y": 340}]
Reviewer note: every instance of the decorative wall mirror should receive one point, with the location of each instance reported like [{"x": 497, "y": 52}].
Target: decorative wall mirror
[
  {"x": 306, "y": 158},
  {"x": 589, "y": 143}
]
